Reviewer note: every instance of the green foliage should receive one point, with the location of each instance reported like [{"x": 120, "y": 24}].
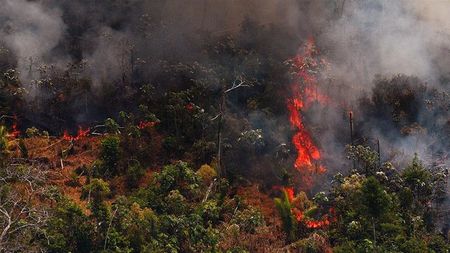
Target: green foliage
[
  {"x": 4, "y": 143},
  {"x": 180, "y": 177},
  {"x": 111, "y": 126},
  {"x": 248, "y": 219},
  {"x": 210, "y": 211},
  {"x": 134, "y": 173},
  {"x": 69, "y": 230},
  {"x": 289, "y": 222},
  {"x": 366, "y": 159},
  {"x": 418, "y": 180},
  {"x": 438, "y": 244},
  {"x": 386, "y": 215},
  {"x": 110, "y": 152},
  {"x": 315, "y": 243},
  {"x": 32, "y": 132},
  {"x": 374, "y": 198},
  {"x": 96, "y": 192}
]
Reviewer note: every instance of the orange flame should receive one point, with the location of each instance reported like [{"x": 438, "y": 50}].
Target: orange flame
[
  {"x": 304, "y": 93},
  {"x": 15, "y": 132},
  {"x": 145, "y": 124},
  {"x": 325, "y": 221},
  {"x": 80, "y": 134}
]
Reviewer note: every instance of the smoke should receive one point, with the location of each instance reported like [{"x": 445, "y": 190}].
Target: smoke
[
  {"x": 31, "y": 30},
  {"x": 388, "y": 37},
  {"x": 124, "y": 41}
]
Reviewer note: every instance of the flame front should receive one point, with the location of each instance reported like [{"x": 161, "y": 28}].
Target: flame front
[
  {"x": 304, "y": 93},
  {"x": 80, "y": 134}
]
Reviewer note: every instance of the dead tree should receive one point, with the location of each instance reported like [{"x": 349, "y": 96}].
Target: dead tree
[
  {"x": 239, "y": 82},
  {"x": 20, "y": 218}
]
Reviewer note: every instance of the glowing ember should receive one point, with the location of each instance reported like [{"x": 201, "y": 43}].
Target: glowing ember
[
  {"x": 15, "y": 132},
  {"x": 290, "y": 193},
  {"x": 304, "y": 93},
  {"x": 189, "y": 106},
  {"x": 80, "y": 134},
  {"x": 145, "y": 124}
]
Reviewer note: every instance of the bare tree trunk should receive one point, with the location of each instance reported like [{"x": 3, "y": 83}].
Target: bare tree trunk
[{"x": 220, "y": 170}]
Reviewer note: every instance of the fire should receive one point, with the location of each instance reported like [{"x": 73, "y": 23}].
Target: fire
[
  {"x": 189, "y": 106},
  {"x": 304, "y": 94},
  {"x": 15, "y": 132},
  {"x": 325, "y": 221},
  {"x": 145, "y": 124},
  {"x": 80, "y": 134}
]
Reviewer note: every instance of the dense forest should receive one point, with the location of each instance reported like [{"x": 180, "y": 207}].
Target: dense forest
[{"x": 224, "y": 126}]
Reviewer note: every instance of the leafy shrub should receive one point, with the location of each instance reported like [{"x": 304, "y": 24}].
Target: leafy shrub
[
  {"x": 68, "y": 229},
  {"x": 4, "y": 144},
  {"x": 315, "y": 243},
  {"x": 134, "y": 173},
  {"x": 284, "y": 208},
  {"x": 111, "y": 126},
  {"x": 32, "y": 132},
  {"x": 438, "y": 245},
  {"x": 109, "y": 155},
  {"x": 248, "y": 219},
  {"x": 210, "y": 212},
  {"x": 207, "y": 173},
  {"x": 178, "y": 176},
  {"x": 172, "y": 146}
]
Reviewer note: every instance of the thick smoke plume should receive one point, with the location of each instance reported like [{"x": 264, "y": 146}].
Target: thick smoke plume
[
  {"x": 31, "y": 30},
  {"x": 122, "y": 41}
]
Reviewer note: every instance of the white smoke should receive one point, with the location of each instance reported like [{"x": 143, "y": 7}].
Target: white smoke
[{"x": 30, "y": 30}]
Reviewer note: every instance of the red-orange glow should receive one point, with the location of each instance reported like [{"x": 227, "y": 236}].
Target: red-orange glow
[
  {"x": 325, "y": 221},
  {"x": 289, "y": 193},
  {"x": 80, "y": 134},
  {"x": 15, "y": 132},
  {"x": 304, "y": 93},
  {"x": 189, "y": 106},
  {"x": 145, "y": 124}
]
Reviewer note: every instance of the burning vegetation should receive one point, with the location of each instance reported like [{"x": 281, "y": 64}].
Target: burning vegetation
[{"x": 130, "y": 132}]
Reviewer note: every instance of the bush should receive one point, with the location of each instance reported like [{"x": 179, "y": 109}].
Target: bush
[
  {"x": 110, "y": 154},
  {"x": 207, "y": 173},
  {"x": 438, "y": 245},
  {"x": 178, "y": 176},
  {"x": 111, "y": 126},
  {"x": 134, "y": 173},
  {"x": 4, "y": 144},
  {"x": 32, "y": 132},
  {"x": 172, "y": 146},
  {"x": 315, "y": 243},
  {"x": 248, "y": 219},
  {"x": 210, "y": 211}
]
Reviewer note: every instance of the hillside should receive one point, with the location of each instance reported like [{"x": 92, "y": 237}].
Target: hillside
[{"x": 225, "y": 126}]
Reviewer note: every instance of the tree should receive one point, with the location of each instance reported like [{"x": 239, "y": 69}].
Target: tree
[
  {"x": 419, "y": 181},
  {"x": 69, "y": 229},
  {"x": 237, "y": 83},
  {"x": 21, "y": 220},
  {"x": 285, "y": 209},
  {"x": 375, "y": 200}
]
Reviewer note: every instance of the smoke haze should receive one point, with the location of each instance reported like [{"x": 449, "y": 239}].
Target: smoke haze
[{"x": 360, "y": 39}]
